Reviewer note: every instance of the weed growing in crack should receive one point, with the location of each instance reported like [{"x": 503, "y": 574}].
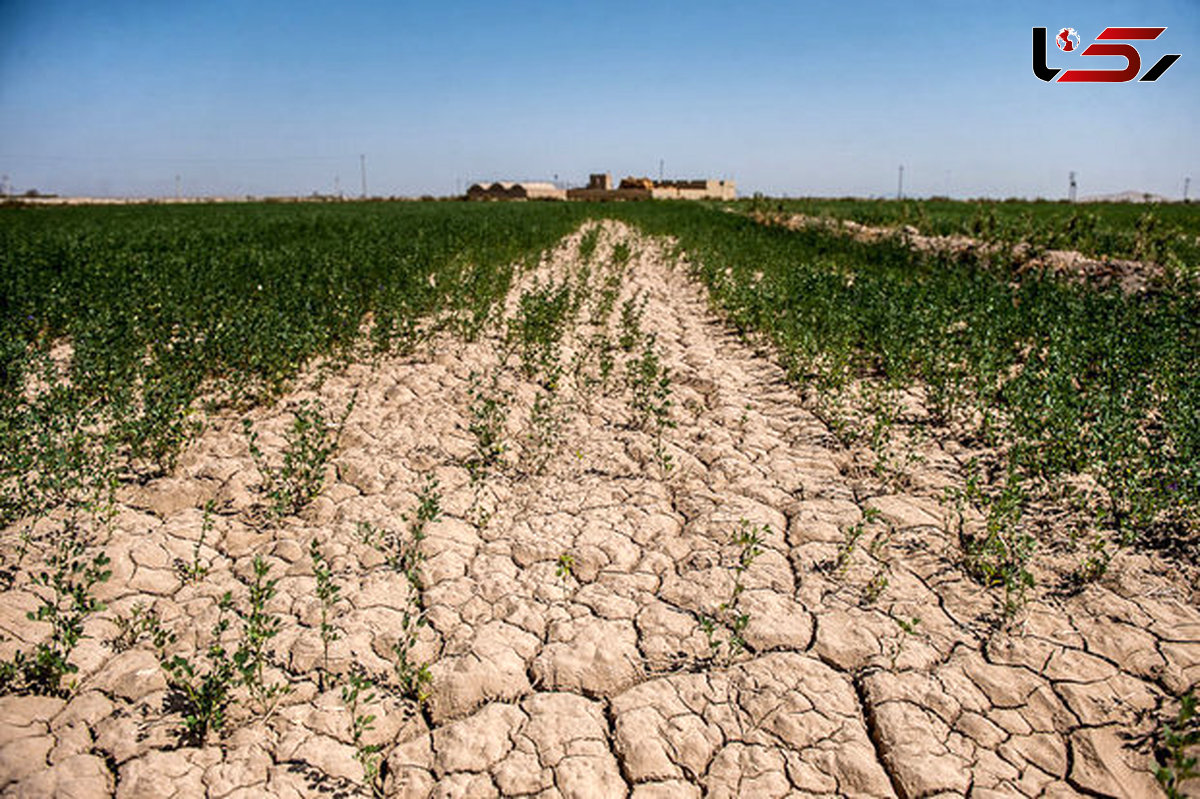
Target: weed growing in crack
[
  {"x": 311, "y": 441},
  {"x": 587, "y": 244},
  {"x": 259, "y": 626},
  {"x": 1094, "y": 565},
  {"x": 203, "y": 696},
  {"x": 876, "y": 586},
  {"x": 196, "y": 571},
  {"x": 846, "y": 548},
  {"x": 489, "y": 414},
  {"x": 544, "y": 433},
  {"x": 1000, "y": 556},
  {"x": 204, "y": 693},
  {"x": 70, "y": 580},
  {"x": 142, "y": 622},
  {"x": 630, "y": 331},
  {"x": 10, "y": 570},
  {"x": 1177, "y": 737},
  {"x": 621, "y": 255},
  {"x": 327, "y": 594},
  {"x": 607, "y": 299},
  {"x": 359, "y": 691},
  {"x": 650, "y": 402},
  {"x": 908, "y": 629},
  {"x": 729, "y": 617},
  {"x": 564, "y": 569},
  {"x": 414, "y": 677},
  {"x": 406, "y": 556}
]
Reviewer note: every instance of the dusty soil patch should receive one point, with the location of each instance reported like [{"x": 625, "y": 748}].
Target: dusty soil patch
[
  {"x": 567, "y": 609},
  {"x": 1132, "y": 276}
]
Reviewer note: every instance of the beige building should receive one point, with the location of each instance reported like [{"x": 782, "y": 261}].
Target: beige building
[
  {"x": 508, "y": 190},
  {"x": 631, "y": 188}
]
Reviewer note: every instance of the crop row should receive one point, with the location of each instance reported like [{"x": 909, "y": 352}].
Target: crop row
[
  {"x": 1061, "y": 379},
  {"x": 114, "y": 321},
  {"x": 1168, "y": 234}
]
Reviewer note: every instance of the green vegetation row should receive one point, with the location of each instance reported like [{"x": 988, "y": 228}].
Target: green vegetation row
[
  {"x": 163, "y": 304},
  {"x": 1063, "y": 379},
  {"x": 1156, "y": 232}
]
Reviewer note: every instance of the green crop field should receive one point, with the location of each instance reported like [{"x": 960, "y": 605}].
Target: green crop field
[
  {"x": 286, "y": 450},
  {"x": 1067, "y": 378},
  {"x": 163, "y": 305},
  {"x": 1119, "y": 230}
]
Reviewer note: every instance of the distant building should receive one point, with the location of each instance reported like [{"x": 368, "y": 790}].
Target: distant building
[
  {"x": 641, "y": 188},
  {"x": 508, "y": 190}
]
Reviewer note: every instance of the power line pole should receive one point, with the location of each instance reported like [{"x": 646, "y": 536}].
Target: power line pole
[
  {"x": 362, "y": 162},
  {"x": 4, "y": 187},
  {"x": 1186, "y": 182},
  {"x": 178, "y": 193},
  {"x": 900, "y": 185},
  {"x": 1071, "y": 189},
  {"x": 660, "y": 170}
]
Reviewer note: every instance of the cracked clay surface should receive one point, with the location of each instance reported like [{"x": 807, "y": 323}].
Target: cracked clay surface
[{"x": 597, "y": 678}]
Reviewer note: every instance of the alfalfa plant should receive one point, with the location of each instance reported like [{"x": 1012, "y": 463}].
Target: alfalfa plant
[
  {"x": 908, "y": 629},
  {"x": 587, "y": 244},
  {"x": 196, "y": 571},
  {"x": 69, "y": 581},
  {"x": 544, "y": 432},
  {"x": 259, "y": 626},
  {"x": 414, "y": 676},
  {"x": 1000, "y": 556},
  {"x": 729, "y": 617},
  {"x": 142, "y": 622},
  {"x": 846, "y": 548},
  {"x": 311, "y": 442},
  {"x": 1177, "y": 737},
  {"x": 538, "y": 327},
  {"x": 359, "y": 691},
  {"x": 408, "y": 555},
  {"x": 205, "y": 694},
  {"x": 488, "y": 417},
  {"x": 630, "y": 331},
  {"x": 10, "y": 569},
  {"x": 1094, "y": 565},
  {"x": 328, "y": 594},
  {"x": 650, "y": 401}
]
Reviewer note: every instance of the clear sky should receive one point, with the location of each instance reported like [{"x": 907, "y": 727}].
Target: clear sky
[{"x": 803, "y": 98}]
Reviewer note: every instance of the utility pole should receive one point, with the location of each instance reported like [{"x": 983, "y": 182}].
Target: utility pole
[
  {"x": 337, "y": 186},
  {"x": 900, "y": 185},
  {"x": 1071, "y": 189},
  {"x": 178, "y": 194},
  {"x": 362, "y": 162},
  {"x": 4, "y": 187},
  {"x": 660, "y": 170},
  {"x": 1186, "y": 183}
]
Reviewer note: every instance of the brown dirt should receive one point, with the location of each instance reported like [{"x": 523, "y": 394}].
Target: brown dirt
[{"x": 601, "y": 682}]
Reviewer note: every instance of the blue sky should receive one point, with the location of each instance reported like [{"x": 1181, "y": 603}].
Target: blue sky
[{"x": 802, "y": 98}]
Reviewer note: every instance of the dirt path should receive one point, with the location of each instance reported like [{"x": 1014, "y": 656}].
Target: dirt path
[
  {"x": 566, "y": 610},
  {"x": 1132, "y": 276}
]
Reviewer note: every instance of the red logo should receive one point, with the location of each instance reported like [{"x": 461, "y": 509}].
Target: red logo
[{"x": 1068, "y": 41}]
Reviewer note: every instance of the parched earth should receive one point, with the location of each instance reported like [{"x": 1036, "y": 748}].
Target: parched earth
[{"x": 567, "y": 610}]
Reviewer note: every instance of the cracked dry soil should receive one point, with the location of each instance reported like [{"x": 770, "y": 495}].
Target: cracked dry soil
[{"x": 598, "y": 679}]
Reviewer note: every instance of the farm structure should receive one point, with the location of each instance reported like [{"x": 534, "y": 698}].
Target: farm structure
[
  {"x": 510, "y": 190},
  {"x": 600, "y": 188}
]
